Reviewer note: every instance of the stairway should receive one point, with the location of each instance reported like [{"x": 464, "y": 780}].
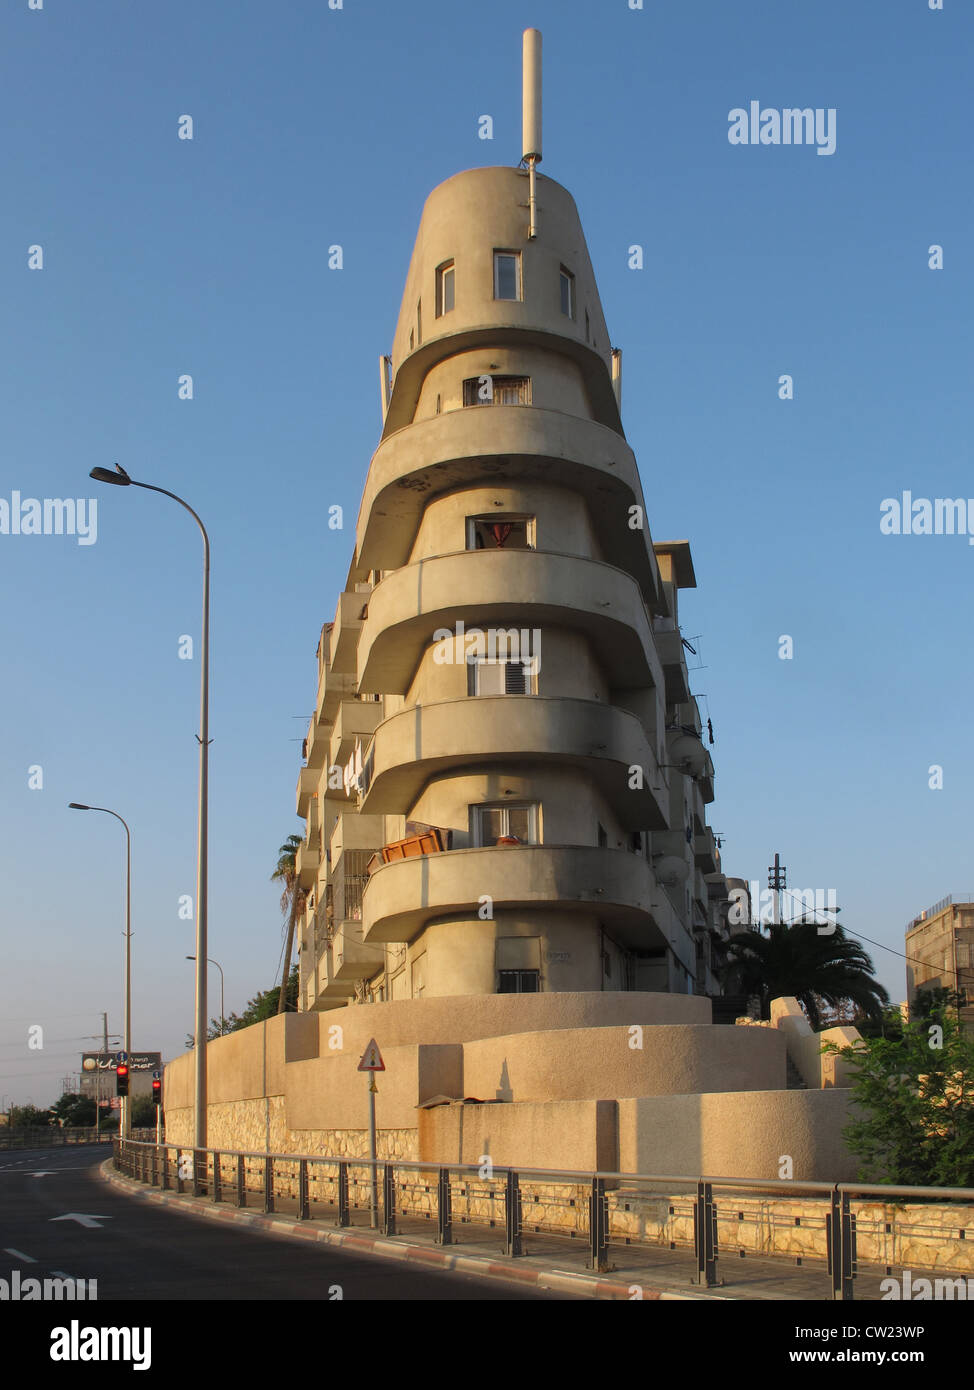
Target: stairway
[{"x": 795, "y": 1082}]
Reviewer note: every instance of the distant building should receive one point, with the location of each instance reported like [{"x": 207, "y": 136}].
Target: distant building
[{"x": 940, "y": 951}]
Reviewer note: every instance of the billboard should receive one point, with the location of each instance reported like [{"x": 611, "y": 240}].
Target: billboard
[{"x": 98, "y": 1073}]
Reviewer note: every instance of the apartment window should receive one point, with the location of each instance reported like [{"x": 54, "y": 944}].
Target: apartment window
[
  {"x": 412, "y": 339},
  {"x": 492, "y": 823},
  {"x": 507, "y": 275},
  {"x": 567, "y": 289},
  {"x": 445, "y": 288},
  {"x": 419, "y": 322},
  {"x": 518, "y": 981},
  {"x": 603, "y": 839},
  {"x": 586, "y": 326},
  {"x": 497, "y": 390},
  {"x": 500, "y": 533},
  {"x": 419, "y": 976},
  {"x": 501, "y": 677}
]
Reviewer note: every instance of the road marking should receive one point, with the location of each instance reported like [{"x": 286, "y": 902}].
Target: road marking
[
  {"x": 28, "y": 1259},
  {"x": 82, "y": 1218}
]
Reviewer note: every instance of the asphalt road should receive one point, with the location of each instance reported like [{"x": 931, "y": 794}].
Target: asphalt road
[{"x": 137, "y": 1250}]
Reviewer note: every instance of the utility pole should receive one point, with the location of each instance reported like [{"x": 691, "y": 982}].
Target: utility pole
[{"x": 777, "y": 884}]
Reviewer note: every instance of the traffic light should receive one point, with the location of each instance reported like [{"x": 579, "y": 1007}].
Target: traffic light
[
  {"x": 122, "y": 1080},
  {"x": 157, "y": 1093}
]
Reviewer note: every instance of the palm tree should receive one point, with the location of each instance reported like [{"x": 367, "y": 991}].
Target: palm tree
[
  {"x": 293, "y": 900},
  {"x": 797, "y": 959}
]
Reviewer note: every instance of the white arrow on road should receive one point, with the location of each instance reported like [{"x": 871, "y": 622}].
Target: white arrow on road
[
  {"x": 82, "y": 1218},
  {"x": 49, "y": 1173}
]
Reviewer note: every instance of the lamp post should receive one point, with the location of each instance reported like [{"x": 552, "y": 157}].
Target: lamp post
[
  {"x": 121, "y": 479},
  {"x": 220, "y": 968},
  {"x": 125, "y": 1126}
]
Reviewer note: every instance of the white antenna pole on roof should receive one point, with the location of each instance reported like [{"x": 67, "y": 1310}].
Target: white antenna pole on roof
[{"x": 531, "y": 119}]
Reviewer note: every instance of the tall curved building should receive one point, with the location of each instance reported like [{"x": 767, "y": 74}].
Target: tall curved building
[{"x": 505, "y": 784}]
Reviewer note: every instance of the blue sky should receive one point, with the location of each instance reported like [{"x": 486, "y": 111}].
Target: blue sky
[{"x": 315, "y": 126}]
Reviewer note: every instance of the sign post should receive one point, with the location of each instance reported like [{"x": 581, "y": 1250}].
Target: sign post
[{"x": 372, "y": 1062}]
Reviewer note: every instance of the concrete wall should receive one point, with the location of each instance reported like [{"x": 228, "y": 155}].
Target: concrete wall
[
  {"x": 600, "y": 1062},
  {"x": 581, "y": 1132},
  {"x": 741, "y": 1134}
]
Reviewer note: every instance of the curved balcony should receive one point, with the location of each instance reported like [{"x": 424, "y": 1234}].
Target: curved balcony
[
  {"x": 504, "y": 589},
  {"x": 602, "y": 741},
  {"x": 617, "y": 886},
  {"x": 503, "y": 444}
]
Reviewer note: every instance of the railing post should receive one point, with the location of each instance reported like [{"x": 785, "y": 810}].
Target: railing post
[
  {"x": 304, "y": 1206},
  {"x": 164, "y": 1174},
  {"x": 343, "y": 1216},
  {"x": 599, "y": 1225},
  {"x": 268, "y": 1183},
  {"x": 241, "y": 1181},
  {"x": 512, "y": 1209},
  {"x": 197, "y": 1154},
  {"x": 444, "y": 1208},
  {"x": 841, "y": 1231},
  {"x": 388, "y": 1199},
  {"x": 217, "y": 1185},
  {"x": 705, "y": 1235}
]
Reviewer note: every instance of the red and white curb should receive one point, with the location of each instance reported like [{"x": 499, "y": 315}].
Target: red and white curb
[{"x": 558, "y": 1281}]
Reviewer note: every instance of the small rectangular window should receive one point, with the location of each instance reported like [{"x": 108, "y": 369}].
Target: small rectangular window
[
  {"x": 518, "y": 982},
  {"x": 497, "y": 390},
  {"x": 445, "y": 288},
  {"x": 419, "y": 322},
  {"x": 603, "y": 839},
  {"x": 492, "y": 823},
  {"x": 501, "y": 677},
  {"x": 507, "y": 275},
  {"x": 500, "y": 533},
  {"x": 567, "y": 293}
]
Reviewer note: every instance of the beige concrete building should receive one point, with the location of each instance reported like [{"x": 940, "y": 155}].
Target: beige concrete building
[
  {"x": 940, "y": 951},
  {"x": 505, "y": 785},
  {"x": 510, "y": 875}
]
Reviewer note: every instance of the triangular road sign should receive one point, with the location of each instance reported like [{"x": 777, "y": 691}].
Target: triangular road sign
[{"x": 372, "y": 1058}]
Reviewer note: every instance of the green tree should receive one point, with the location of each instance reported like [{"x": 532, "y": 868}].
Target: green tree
[
  {"x": 798, "y": 959},
  {"x": 913, "y": 1104},
  {"x": 143, "y": 1113},
  {"x": 293, "y": 902},
  {"x": 74, "y": 1111},
  {"x": 28, "y": 1117}
]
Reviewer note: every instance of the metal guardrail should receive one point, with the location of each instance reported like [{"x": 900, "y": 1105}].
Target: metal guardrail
[{"x": 441, "y": 1196}]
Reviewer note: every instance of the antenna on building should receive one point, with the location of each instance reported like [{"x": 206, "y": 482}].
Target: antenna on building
[{"x": 531, "y": 119}]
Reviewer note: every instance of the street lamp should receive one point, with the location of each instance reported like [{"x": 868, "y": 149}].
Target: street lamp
[
  {"x": 121, "y": 479},
  {"x": 220, "y": 968},
  {"x": 126, "y": 1126}
]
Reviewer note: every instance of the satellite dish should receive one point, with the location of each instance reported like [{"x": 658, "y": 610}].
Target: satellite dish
[
  {"x": 670, "y": 870},
  {"x": 690, "y": 751}
]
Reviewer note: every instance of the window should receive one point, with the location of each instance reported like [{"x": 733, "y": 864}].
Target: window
[
  {"x": 497, "y": 390},
  {"x": 507, "y": 275},
  {"x": 586, "y": 326},
  {"x": 419, "y": 976},
  {"x": 445, "y": 288},
  {"x": 492, "y": 823},
  {"x": 567, "y": 286},
  {"x": 501, "y": 677},
  {"x": 603, "y": 839},
  {"x": 500, "y": 533},
  {"x": 518, "y": 981},
  {"x": 419, "y": 322}
]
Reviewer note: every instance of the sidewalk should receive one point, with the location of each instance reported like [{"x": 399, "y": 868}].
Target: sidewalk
[{"x": 636, "y": 1272}]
